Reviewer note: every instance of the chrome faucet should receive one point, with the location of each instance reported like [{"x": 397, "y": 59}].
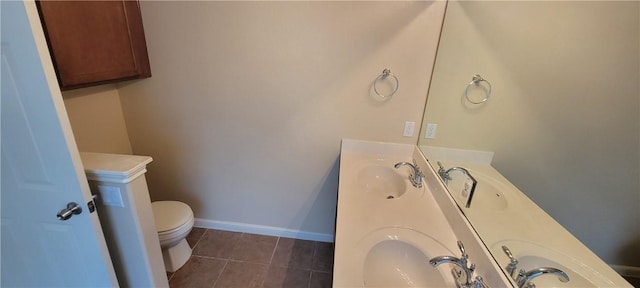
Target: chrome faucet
[
  {"x": 513, "y": 262},
  {"x": 462, "y": 263},
  {"x": 457, "y": 168},
  {"x": 524, "y": 278},
  {"x": 416, "y": 175},
  {"x": 445, "y": 175}
]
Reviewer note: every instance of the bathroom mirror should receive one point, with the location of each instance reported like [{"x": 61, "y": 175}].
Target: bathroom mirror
[{"x": 563, "y": 117}]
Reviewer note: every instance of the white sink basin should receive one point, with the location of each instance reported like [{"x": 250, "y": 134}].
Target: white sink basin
[
  {"x": 382, "y": 181},
  {"x": 399, "y": 257},
  {"x": 531, "y": 256},
  {"x": 394, "y": 263}
]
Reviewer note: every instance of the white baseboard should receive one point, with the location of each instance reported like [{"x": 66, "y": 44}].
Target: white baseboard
[
  {"x": 263, "y": 230},
  {"x": 627, "y": 270}
]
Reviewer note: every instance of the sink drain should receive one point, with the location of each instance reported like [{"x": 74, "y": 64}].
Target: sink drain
[{"x": 390, "y": 197}]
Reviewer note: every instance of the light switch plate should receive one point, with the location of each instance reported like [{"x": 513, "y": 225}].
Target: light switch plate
[{"x": 111, "y": 196}]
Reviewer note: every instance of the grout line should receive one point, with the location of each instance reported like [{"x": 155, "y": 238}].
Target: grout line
[
  {"x": 274, "y": 251},
  {"x": 220, "y": 275},
  {"x": 200, "y": 239},
  {"x": 209, "y": 257},
  {"x": 266, "y": 272},
  {"x": 264, "y": 277},
  {"x": 313, "y": 258}
]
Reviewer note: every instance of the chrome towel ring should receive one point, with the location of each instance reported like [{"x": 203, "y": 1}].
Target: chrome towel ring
[
  {"x": 386, "y": 73},
  {"x": 476, "y": 81}
]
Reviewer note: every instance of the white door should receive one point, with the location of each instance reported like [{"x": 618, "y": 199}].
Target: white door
[{"x": 41, "y": 170}]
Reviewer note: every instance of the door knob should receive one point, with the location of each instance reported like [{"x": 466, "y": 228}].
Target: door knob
[{"x": 72, "y": 209}]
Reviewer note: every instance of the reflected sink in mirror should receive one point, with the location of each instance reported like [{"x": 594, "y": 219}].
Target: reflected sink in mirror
[
  {"x": 529, "y": 262},
  {"x": 382, "y": 180},
  {"x": 531, "y": 256},
  {"x": 399, "y": 257}
]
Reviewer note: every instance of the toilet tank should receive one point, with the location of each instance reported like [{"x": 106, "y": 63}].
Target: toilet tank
[{"x": 124, "y": 209}]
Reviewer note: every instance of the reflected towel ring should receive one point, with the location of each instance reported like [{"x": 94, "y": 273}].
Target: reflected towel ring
[
  {"x": 386, "y": 73},
  {"x": 476, "y": 80}
]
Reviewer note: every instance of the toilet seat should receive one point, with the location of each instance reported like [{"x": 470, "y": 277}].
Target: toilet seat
[
  {"x": 168, "y": 238},
  {"x": 170, "y": 216}
]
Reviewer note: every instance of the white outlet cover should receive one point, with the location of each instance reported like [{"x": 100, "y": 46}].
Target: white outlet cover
[
  {"x": 430, "y": 132},
  {"x": 409, "y": 128}
]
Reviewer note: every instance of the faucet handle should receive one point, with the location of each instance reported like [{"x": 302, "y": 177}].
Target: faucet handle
[
  {"x": 464, "y": 252},
  {"x": 513, "y": 262},
  {"x": 508, "y": 252},
  {"x": 441, "y": 170},
  {"x": 417, "y": 168},
  {"x": 443, "y": 173},
  {"x": 479, "y": 283}
]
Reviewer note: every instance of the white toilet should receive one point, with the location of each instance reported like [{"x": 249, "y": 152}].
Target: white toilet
[{"x": 174, "y": 221}]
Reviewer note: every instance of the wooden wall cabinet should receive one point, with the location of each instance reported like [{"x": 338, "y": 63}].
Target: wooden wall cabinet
[{"x": 95, "y": 42}]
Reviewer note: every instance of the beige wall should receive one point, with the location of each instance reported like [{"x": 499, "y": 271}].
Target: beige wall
[
  {"x": 97, "y": 120},
  {"x": 249, "y": 100},
  {"x": 564, "y": 118}
]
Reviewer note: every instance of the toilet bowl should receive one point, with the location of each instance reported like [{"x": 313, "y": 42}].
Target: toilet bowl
[{"x": 174, "y": 221}]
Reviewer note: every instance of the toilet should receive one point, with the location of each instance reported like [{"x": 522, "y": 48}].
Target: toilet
[{"x": 174, "y": 221}]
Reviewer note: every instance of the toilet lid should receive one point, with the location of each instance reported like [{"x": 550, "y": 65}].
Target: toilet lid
[{"x": 170, "y": 215}]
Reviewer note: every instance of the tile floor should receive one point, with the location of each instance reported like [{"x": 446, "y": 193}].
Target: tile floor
[{"x": 233, "y": 259}]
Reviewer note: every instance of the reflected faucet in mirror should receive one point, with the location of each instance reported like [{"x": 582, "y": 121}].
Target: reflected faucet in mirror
[
  {"x": 513, "y": 262},
  {"x": 469, "y": 185},
  {"x": 524, "y": 278}
]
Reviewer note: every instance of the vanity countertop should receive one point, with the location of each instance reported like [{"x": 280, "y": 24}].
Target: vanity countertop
[{"x": 369, "y": 218}]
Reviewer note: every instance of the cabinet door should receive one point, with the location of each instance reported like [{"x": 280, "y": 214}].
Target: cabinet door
[{"x": 95, "y": 42}]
